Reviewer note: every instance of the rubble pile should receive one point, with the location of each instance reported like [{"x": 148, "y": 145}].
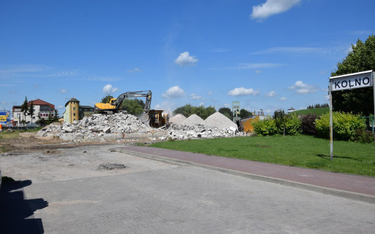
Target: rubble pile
[
  {"x": 193, "y": 120},
  {"x": 184, "y": 132},
  {"x": 103, "y": 128},
  {"x": 177, "y": 119},
  {"x": 218, "y": 120}
]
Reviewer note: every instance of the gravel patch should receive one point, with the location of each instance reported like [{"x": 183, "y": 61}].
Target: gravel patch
[
  {"x": 177, "y": 119},
  {"x": 193, "y": 120}
]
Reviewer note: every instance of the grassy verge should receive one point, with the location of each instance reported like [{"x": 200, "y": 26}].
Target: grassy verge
[{"x": 300, "y": 151}]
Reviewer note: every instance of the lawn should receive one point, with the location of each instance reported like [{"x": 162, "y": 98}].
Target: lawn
[
  {"x": 299, "y": 151},
  {"x": 317, "y": 111}
]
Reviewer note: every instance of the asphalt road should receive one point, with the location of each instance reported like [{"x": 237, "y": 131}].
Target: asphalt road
[{"x": 170, "y": 198}]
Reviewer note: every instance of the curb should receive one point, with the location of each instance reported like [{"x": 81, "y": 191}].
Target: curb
[{"x": 324, "y": 190}]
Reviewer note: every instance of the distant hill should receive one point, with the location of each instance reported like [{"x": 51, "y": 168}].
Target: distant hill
[{"x": 317, "y": 111}]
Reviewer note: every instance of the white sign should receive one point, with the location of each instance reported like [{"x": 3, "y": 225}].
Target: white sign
[{"x": 352, "y": 81}]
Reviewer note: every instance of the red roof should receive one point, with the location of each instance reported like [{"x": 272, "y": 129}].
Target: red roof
[{"x": 40, "y": 102}]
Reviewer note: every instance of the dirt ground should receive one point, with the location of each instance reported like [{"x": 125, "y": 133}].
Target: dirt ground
[{"x": 50, "y": 159}]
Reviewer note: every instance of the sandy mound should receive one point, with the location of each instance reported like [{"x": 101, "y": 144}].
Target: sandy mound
[
  {"x": 219, "y": 120},
  {"x": 193, "y": 120},
  {"x": 177, "y": 119}
]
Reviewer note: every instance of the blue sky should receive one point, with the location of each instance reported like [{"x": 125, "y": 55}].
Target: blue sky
[{"x": 267, "y": 54}]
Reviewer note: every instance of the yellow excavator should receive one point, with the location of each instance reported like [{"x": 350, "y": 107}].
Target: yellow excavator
[{"x": 155, "y": 118}]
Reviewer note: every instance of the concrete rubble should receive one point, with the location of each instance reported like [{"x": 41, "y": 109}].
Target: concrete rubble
[
  {"x": 100, "y": 127},
  {"x": 121, "y": 126}
]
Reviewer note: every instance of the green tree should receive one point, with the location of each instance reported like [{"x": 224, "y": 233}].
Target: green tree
[
  {"x": 361, "y": 58},
  {"x": 186, "y": 110},
  {"x": 227, "y": 112},
  {"x": 31, "y": 111},
  {"x": 56, "y": 116},
  {"x": 201, "y": 111},
  {"x": 279, "y": 117},
  {"x": 25, "y": 108},
  {"x": 245, "y": 114},
  {"x": 133, "y": 106},
  {"x": 106, "y": 99}
]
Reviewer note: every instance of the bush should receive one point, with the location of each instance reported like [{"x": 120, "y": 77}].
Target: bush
[
  {"x": 364, "y": 136},
  {"x": 344, "y": 126},
  {"x": 265, "y": 127},
  {"x": 308, "y": 124},
  {"x": 270, "y": 126},
  {"x": 292, "y": 124}
]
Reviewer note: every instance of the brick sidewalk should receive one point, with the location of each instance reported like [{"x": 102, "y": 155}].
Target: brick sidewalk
[{"x": 338, "y": 181}]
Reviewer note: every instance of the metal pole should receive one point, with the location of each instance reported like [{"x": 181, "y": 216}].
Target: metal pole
[
  {"x": 330, "y": 121},
  {"x": 373, "y": 87}
]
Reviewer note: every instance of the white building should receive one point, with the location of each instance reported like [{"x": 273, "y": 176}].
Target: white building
[{"x": 42, "y": 110}]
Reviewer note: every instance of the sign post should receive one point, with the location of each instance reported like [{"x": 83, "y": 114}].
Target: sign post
[{"x": 350, "y": 81}]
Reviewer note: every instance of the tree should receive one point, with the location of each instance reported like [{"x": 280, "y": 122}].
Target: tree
[
  {"x": 25, "y": 108},
  {"x": 279, "y": 117},
  {"x": 227, "y": 112},
  {"x": 133, "y": 106},
  {"x": 56, "y": 116},
  {"x": 107, "y": 99},
  {"x": 31, "y": 111},
  {"x": 201, "y": 111},
  {"x": 245, "y": 114},
  {"x": 361, "y": 58}
]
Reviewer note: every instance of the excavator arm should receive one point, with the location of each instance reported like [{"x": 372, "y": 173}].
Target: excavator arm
[{"x": 135, "y": 94}]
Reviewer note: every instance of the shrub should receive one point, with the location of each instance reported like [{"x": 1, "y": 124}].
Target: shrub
[
  {"x": 344, "y": 126},
  {"x": 308, "y": 124},
  {"x": 364, "y": 136},
  {"x": 270, "y": 126},
  {"x": 265, "y": 127},
  {"x": 292, "y": 124}
]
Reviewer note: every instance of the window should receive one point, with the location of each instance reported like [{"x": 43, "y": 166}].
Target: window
[
  {"x": 74, "y": 114},
  {"x": 74, "y": 108}
]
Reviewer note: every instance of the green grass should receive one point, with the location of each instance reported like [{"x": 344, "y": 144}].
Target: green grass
[
  {"x": 299, "y": 151},
  {"x": 317, "y": 111}
]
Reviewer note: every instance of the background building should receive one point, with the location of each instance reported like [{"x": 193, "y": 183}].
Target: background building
[
  {"x": 42, "y": 110},
  {"x": 71, "y": 112}
]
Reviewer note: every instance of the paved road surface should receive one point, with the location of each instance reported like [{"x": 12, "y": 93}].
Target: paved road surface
[{"x": 177, "y": 199}]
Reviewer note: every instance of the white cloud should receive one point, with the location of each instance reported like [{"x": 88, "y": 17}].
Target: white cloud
[
  {"x": 3, "y": 102},
  {"x": 63, "y": 91},
  {"x": 186, "y": 59},
  {"x": 201, "y": 104},
  {"x": 258, "y": 71},
  {"x": 271, "y": 94},
  {"x": 195, "y": 97},
  {"x": 60, "y": 107},
  {"x": 226, "y": 105},
  {"x": 283, "y": 99},
  {"x": 134, "y": 70},
  {"x": 210, "y": 93},
  {"x": 245, "y": 66},
  {"x": 166, "y": 106},
  {"x": 272, "y": 7},
  {"x": 108, "y": 89},
  {"x": 302, "y": 88},
  {"x": 243, "y": 92},
  {"x": 174, "y": 92}
]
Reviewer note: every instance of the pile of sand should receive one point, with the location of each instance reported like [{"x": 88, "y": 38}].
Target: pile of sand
[
  {"x": 218, "y": 120},
  {"x": 177, "y": 119},
  {"x": 193, "y": 120}
]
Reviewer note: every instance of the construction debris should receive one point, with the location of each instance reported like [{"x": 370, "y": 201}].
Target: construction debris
[
  {"x": 121, "y": 126},
  {"x": 100, "y": 127},
  {"x": 111, "y": 166}
]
